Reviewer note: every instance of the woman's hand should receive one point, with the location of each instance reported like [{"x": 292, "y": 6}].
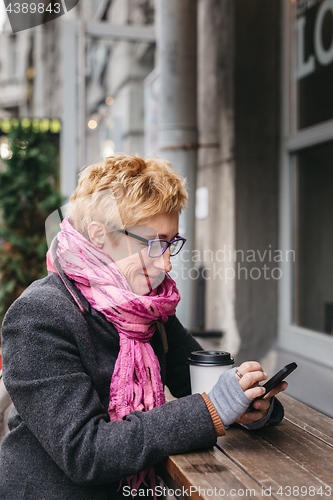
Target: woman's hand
[{"x": 252, "y": 375}]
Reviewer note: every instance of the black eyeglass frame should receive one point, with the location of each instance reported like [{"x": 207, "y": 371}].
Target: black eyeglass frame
[{"x": 149, "y": 242}]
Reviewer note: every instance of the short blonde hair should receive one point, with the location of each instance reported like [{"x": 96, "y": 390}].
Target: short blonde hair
[{"x": 125, "y": 190}]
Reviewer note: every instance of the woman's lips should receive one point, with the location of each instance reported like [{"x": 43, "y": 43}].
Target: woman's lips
[{"x": 151, "y": 277}]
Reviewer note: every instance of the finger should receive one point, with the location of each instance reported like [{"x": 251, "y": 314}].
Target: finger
[
  {"x": 249, "y": 366},
  {"x": 279, "y": 388},
  {"x": 255, "y": 392},
  {"x": 250, "y": 417},
  {"x": 262, "y": 404},
  {"x": 251, "y": 379}
]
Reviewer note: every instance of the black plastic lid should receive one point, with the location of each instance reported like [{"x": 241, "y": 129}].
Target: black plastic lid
[{"x": 210, "y": 358}]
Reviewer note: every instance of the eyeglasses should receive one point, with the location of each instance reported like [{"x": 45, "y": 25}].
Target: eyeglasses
[{"x": 157, "y": 247}]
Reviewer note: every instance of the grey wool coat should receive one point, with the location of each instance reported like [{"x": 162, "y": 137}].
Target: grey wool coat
[{"x": 58, "y": 359}]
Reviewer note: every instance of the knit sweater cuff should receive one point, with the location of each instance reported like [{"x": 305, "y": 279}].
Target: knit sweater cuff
[{"x": 219, "y": 427}]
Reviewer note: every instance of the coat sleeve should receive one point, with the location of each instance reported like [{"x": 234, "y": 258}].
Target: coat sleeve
[{"x": 55, "y": 397}]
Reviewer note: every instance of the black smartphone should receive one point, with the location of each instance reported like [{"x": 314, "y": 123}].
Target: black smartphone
[
  {"x": 279, "y": 377},
  {"x": 275, "y": 380}
]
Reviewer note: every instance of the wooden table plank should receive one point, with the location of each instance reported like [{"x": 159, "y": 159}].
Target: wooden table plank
[
  {"x": 213, "y": 474},
  {"x": 291, "y": 460},
  {"x": 269, "y": 466},
  {"x": 308, "y": 419},
  {"x": 304, "y": 448}
]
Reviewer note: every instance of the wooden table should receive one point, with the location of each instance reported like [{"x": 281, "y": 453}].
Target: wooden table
[{"x": 291, "y": 460}]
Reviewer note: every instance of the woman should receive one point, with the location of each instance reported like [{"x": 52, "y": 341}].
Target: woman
[{"x": 85, "y": 356}]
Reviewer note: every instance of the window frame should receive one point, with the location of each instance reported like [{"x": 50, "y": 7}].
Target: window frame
[{"x": 293, "y": 338}]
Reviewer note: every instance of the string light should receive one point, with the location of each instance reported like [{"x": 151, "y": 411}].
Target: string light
[
  {"x": 108, "y": 148},
  {"x": 5, "y": 152},
  {"x": 92, "y": 124}
]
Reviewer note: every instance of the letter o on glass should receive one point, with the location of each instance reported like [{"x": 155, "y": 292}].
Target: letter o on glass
[{"x": 325, "y": 57}]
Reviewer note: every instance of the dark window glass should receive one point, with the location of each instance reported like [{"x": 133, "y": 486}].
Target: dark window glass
[
  {"x": 313, "y": 61},
  {"x": 313, "y": 297}
]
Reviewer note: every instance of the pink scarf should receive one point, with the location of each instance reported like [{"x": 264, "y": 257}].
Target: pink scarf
[{"x": 136, "y": 381}]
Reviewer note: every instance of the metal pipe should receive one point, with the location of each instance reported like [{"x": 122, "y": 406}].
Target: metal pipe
[
  {"x": 177, "y": 127},
  {"x": 105, "y": 30},
  {"x": 81, "y": 57},
  {"x": 69, "y": 116}
]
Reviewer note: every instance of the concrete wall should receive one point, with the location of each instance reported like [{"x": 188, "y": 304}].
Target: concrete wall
[
  {"x": 257, "y": 143},
  {"x": 216, "y": 165},
  {"x": 239, "y": 111}
]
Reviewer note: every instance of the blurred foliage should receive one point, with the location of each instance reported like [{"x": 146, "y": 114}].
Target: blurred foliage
[{"x": 28, "y": 194}]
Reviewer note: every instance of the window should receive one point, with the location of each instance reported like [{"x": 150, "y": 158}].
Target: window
[
  {"x": 313, "y": 295},
  {"x": 306, "y": 217}
]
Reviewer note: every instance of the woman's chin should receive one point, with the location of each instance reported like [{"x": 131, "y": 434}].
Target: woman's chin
[{"x": 145, "y": 285}]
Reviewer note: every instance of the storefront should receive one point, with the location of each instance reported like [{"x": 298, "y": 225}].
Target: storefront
[{"x": 306, "y": 287}]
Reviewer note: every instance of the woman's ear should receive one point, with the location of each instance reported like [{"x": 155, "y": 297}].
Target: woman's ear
[{"x": 97, "y": 234}]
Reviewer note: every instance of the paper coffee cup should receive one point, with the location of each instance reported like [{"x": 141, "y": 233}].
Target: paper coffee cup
[{"x": 206, "y": 367}]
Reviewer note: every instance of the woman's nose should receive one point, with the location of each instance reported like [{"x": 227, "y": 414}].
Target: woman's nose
[{"x": 163, "y": 262}]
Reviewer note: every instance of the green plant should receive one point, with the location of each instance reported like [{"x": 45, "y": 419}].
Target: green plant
[{"x": 28, "y": 194}]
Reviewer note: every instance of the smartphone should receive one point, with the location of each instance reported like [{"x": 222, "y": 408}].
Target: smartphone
[
  {"x": 275, "y": 380},
  {"x": 279, "y": 377}
]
